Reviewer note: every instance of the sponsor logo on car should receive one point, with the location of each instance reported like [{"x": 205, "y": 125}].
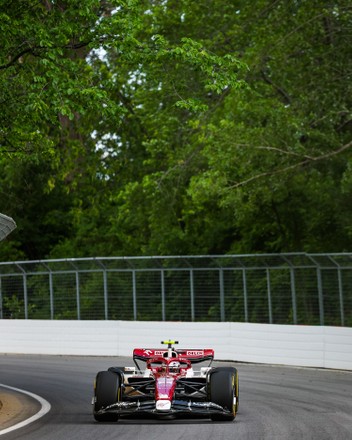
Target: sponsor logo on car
[
  {"x": 195, "y": 353},
  {"x": 163, "y": 405},
  {"x": 154, "y": 352}
]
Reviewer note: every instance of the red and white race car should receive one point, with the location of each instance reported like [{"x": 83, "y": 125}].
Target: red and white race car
[{"x": 167, "y": 386}]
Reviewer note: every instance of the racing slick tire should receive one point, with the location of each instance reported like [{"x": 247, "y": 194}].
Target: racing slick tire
[
  {"x": 224, "y": 391},
  {"x": 106, "y": 392}
]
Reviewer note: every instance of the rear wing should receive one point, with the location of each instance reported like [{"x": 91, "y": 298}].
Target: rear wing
[{"x": 194, "y": 355}]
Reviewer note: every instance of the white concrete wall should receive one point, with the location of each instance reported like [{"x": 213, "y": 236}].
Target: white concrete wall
[{"x": 326, "y": 347}]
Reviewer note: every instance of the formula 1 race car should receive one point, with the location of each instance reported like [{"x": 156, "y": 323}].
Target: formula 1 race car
[{"x": 167, "y": 386}]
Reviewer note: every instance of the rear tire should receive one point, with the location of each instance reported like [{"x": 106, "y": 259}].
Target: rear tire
[
  {"x": 224, "y": 391},
  {"x": 106, "y": 392}
]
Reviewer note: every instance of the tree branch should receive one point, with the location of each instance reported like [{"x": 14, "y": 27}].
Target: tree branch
[
  {"x": 288, "y": 153},
  {"x": 306, "y": 161},
  {"x": 15, "y": 58},
  {"x": 279, "y": 89},
  {"x": 32, "y": 50}
]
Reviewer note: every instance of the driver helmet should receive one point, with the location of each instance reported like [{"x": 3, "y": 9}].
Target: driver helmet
[{"x": 174, "y": 367}]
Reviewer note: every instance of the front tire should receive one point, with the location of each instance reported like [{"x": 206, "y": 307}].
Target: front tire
[
  {"x": 224, "y": 391},
  {"x": 106, "y": 392}
]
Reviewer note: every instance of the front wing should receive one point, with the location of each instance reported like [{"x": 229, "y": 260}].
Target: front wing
[{"x": 178, "y": 407}]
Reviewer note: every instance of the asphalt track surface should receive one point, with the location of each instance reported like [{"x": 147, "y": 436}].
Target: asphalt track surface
[{"x": 275, "y": 403}]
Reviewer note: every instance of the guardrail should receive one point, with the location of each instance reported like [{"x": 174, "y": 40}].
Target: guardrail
[
  {"x": 296, "y": 345},
  {"x": 296, "y": 288}
]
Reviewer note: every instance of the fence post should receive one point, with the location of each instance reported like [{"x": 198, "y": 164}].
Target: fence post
[
  {"x": 269, "y": 295},
  {"x": 134, "y": 294},
  {"x": 342, "y": 314},
  {"x": 106, "y": 307},
  {"x": 293, "y": 294},
  {"x": 51, "y": 295},
  {"x": 25, "y": 295},
  {"x": 162, "y": 295},
  {"x": 222, "y": 295},
  {"x": 245, "y": 296},
  {"x": 78, "y": 296},
  {"x": 320, "y": 296},
  {"x": 191, "y": 281}
]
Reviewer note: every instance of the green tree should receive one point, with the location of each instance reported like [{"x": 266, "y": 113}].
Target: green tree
[
  {"x": 152, "y": 145},
  {"x": 278, "y": 156},
  {"x": 78, "y": 85}
]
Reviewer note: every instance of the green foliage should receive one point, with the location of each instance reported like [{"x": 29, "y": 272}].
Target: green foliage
[
  {"x": 175, "y": 127},
  {"x": 14, "y": 307}
]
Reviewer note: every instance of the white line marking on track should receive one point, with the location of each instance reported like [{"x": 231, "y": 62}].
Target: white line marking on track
[{"x": 45, "y": 408}]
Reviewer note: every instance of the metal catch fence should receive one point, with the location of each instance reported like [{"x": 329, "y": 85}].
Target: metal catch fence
[{"x": 296, "y": 288}]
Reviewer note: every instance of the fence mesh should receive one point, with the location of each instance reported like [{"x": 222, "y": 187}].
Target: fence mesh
[{"x": 311, "y": 289}]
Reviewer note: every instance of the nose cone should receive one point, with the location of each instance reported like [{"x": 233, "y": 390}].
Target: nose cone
[
  {"x": 165, "y": 387},
  {"x": 163, "y": 405}
]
